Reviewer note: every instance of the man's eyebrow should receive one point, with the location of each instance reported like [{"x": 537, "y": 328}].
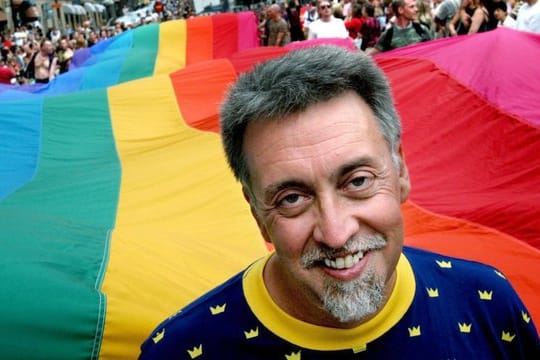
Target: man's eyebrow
[{"x": 353, "y": 165}]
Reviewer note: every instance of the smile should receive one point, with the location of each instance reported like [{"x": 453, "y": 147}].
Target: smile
[{"x": 346, "y": 262}]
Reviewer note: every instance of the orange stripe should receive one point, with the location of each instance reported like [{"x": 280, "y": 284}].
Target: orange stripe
[
  {"x": 202, "y": 111},
  {"x": 199, "y": 39}
]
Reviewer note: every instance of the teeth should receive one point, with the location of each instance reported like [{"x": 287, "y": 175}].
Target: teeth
[{"x": 344, "y": 263}]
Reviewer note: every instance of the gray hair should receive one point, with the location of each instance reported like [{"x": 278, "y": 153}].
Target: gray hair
[{"x": 297, "y": 80}]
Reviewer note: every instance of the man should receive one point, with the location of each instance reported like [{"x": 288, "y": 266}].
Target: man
[
  {"x": 528, "y": 18},
  {"x": 278, "y": 28},
  {"x": 404, "y": 31},
  {"x": 310, "y": 15},
  {"x": 501, "y": 14},
  {"x": 44, "y": 63},
  {"x": 444, "y": 13},
  {"x": 327, "y": 26},
  {"x": 7, "y": 74},
  {"x": 315, "y": 141},
  {"x": 65, "y": 54}
]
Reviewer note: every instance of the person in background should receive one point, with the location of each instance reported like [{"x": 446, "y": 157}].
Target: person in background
[
  {"x": 470, "y": 19},
  {"x": 3, "y": 20},
  {"x": 326, "y": 26},
  {"x": 404, "y": 30},
  {"x": 528, "y": 17},
  {"x": 314, "y": 139},
  {"x": 7, "y": 73},
  {"x": 354, "y": 24},
  {"x": 371, "y": 27},
  {"x": 425, "y": 16},
  {"x": 65, "y": 54},
  {"x": 444, "y": 13},
  {"x": 295, "y": 23},
  {"x": 45, "y": 63},
  {"x": 278, "y": 28},
  {"x": 501, "y": 14}
]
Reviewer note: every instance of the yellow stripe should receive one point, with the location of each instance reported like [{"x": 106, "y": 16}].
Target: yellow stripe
[
  {"x": 171, "y": 54},
  {"x": 323, "y": 338},
  {"x": 182, "y": 225}
]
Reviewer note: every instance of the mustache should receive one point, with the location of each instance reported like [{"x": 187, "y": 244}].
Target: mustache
[{"x": 357, "y": 243}]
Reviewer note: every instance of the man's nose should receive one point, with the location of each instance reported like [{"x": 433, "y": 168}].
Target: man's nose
[{"x": 335, "y": 223}]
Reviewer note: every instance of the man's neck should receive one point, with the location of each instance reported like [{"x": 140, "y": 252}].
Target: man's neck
[
  {"x": 326, "y": 18},
  {"x": 402, "y": 22}
]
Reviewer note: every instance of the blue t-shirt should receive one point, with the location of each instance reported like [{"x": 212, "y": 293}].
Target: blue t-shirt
[{"x": 440, "y": 308}]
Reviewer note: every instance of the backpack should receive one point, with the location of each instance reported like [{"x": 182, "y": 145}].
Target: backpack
[
  {"x": 423, "y": 33},
  {"x": 30, "y": 69}
]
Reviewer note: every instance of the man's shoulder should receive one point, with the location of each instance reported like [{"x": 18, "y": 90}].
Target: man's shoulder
[
  {"x": 427, "y": 260},
  {"x": 179, "y": 333},
  {"x": 453, "y": 272},
  {"x": 455, "y": 294}
]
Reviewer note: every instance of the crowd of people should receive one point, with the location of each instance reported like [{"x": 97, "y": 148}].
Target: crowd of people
[
  {"x": 30, "y": 56},
  {"x": 382, "y": 25}
]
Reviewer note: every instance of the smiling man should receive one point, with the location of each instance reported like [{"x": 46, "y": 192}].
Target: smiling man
[{"x": 314, "y": 139}]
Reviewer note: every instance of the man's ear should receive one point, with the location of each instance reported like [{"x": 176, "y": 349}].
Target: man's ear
[
  {"x": 255, "y": 215},
  {"x": 404, "y": 180}
]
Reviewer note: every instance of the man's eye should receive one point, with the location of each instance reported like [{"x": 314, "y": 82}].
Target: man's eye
[
  {"x": 359, "y": 183},
  {"x": 291, "y": 199},
  {"x": 292, "y": 204}
]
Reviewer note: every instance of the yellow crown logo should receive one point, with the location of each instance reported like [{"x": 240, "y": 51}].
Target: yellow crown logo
[
  {"x": 433, "y": 292},
  {"x": 507, "y": 337},
  {"x": 444, "y": 264},
  {"x": 500, "y": 274},
  {"x": 293, "y": 356},
  {"x": 414, "y": 331},
  {"x": 252, "y": 333},
  {"x": 485, "y": 295},
  {"x": 159, "y": 336},
  {"x": 525, "y": 317},
  {"x": 359, "y": 349},
  {"x": 195, "y": 352},
  {"x": 464, "y": 328},
  {"x": 217, "y": 309}
]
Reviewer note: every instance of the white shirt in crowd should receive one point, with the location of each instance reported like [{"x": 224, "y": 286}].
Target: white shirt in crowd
[
  {"x": 528, "y": 17},
  {"x": 335, "y": 28}
]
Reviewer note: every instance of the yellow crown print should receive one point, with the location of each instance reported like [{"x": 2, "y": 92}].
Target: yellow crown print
[
  {"x": 414, "y": 331},
  {"x": 218, "y": 309},
  {"x": 159, "y": 336},
  {"x": 525, "y": 317},
  {"x": 485, "y": 295},
  {"x": 195, "y": 352},
  {"x": 444, "y": 264},
  {"x": 433, "y": 292},
  {"x": 359, "y": 349},
  {"x": 464, "y": 328},
  {"x": 293, "y": 356},
  {"x": 252, "y": 333},
  {"x": 500, "y": 274},
  {"x": 507, "y": 337}
]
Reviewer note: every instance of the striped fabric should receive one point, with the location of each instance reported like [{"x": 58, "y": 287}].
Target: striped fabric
[{"x": 117, "y": 207}]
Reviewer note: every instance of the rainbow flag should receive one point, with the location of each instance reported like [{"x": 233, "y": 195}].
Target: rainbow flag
[{"x": 117, "y": 207}]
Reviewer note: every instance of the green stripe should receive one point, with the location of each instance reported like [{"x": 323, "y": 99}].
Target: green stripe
[
  {"x": 54, "y": 235},
  {"x": 141, "y": 58}
]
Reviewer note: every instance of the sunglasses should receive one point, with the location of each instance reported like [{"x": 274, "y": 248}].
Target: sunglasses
[{"x": 322, "y": 7}]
